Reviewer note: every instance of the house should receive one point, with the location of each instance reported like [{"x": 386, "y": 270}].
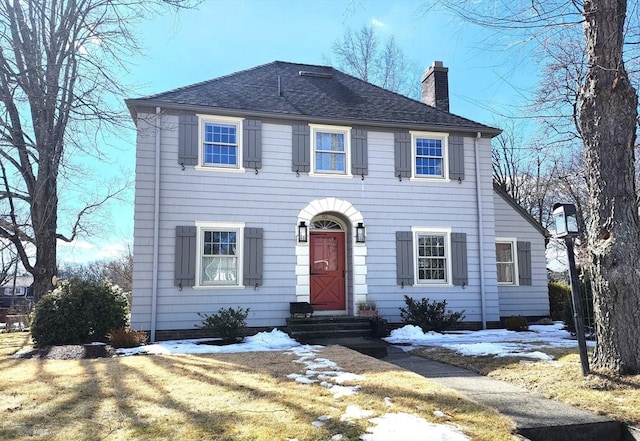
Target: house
[
  {"x": 17, "y": 285},
  {"x": 299, "y": 183}
]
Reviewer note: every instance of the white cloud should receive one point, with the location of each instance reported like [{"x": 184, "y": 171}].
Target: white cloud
[
  {"x": 76, "y": 244},
  {"x": 377, "y": 23}
]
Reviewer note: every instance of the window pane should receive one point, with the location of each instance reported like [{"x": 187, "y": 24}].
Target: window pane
[
  {"x": 505, "y": 272},
  {"x": 330, "y": 141},
  {"x": 220, "y": 144},
  {"x": 432, "y": 262},
  {"x": 219, "y": 257},
  {"x": 330, "y": 162},
  {"x": 429, "y": 157},
  {"x": 504, "y": 252},
  {"x": 219, "y": 269}
]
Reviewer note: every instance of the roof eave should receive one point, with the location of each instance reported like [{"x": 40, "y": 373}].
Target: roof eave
[{"x": 134, "y": 103}]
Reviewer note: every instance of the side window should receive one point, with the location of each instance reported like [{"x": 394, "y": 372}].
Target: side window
[
  {"x": 330, "y": 150},
  {"x": 220, "y": 142},
  {"x": 432, "y": 257},
  {"x": 429, "y": 155},
  {"x": 220, "y": 259},
  {"x": 506, "y": 262}
]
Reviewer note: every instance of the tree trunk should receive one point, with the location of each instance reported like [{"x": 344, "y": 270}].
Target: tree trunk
[
  {"x": 44, "y": 215},
  {"x": 608, "y": 113}
]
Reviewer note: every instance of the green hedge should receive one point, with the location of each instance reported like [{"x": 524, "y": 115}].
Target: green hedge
[{"x": 78, "y": 312}]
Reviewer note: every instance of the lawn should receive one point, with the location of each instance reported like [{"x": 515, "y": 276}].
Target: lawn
[
  {"x": 560, "y": 379},
  {"x": 243, "y": 396}
]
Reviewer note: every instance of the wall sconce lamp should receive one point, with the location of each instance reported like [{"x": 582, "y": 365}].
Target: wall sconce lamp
[
  {"x": 360, "y": 233},
  {"x": 302, "y": 232}
]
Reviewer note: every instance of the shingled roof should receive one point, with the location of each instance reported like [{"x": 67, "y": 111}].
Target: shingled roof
[{"x": 303, "y": 91}]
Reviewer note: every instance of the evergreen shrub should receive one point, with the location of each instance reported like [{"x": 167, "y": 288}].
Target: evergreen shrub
[{"x": 78, "y": 312}]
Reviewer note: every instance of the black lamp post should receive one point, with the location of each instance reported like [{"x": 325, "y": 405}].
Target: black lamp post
[{"x": 566, "y": 223}]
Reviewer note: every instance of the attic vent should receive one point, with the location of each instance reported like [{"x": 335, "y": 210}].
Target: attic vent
[{"x": 306, "y": 73}]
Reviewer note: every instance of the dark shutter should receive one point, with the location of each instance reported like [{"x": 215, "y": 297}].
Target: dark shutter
[
  {"x": 404, "y": 257},
  {"x": 252, "y": 256},
  {"x": 402, "y": 149},
  {"x": 252, "y": 143},
  {"x": 456, "y": 157},
  {"x": 301, "y": 148},
  {"x": 459, "y": 259},
  {"x": 359, "y": 152},
  {"x": 188, "y": 140},
  {"x": 524, "y": 263},
  {"x": 185, "y": 258}
]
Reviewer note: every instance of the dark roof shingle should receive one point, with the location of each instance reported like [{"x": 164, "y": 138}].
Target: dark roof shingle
[{"x": 319, "y": 92}]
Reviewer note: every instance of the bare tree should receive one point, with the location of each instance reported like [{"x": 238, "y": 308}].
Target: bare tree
[
  {"x": 118, "y": 271},
  {"x": 606, "y": 110},
  {"x": 363, "y": 55},
  {"x": 58, "y": 62}
]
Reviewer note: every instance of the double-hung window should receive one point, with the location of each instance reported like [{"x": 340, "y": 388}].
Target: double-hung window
[
  {"x": 220, "y": 261},
  {"x": 506, "y": 263},
  {"x": 330, "y": 150},
  {"x": 429, "y": 155},
  {"x": 220, "y": 142},
  {"x": 432, "y": 256}
]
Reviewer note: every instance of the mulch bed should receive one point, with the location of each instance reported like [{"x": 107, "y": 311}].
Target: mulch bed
[{"x": 69, "y": 352}]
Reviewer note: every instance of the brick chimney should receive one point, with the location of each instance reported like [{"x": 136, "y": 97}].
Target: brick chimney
[{"x": 435, "y": 86}]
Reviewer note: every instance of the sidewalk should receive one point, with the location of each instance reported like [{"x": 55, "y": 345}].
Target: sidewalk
[{"x": 535, "y": 417}]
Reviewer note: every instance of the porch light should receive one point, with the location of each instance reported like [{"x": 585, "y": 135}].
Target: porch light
[
  {"x": 360, "y": 233},
  {"x": 302, "y": 232},
  {"x": 566, "y": 220}
]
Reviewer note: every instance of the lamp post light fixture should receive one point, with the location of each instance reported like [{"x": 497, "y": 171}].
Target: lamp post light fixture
[
  {"x": 566, "y": 220},
  {"x": 566, "y": 224},
  {"x": 360, "y": 233},
  {"x": 302, "y": 232}
]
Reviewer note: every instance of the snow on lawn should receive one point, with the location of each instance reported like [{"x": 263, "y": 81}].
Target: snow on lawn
[
  {"x": 263, "y": 341},
  {"x": 496, "y": 342},
  {"x": 316, "y": 371}
]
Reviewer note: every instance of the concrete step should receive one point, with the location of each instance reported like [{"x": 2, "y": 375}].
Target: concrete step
[{"x": 306, "y": 330}]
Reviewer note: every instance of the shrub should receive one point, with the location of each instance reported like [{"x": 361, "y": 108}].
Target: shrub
[
  {"x": 229, "y": 324},
  {"x": 78, "y": 312},
  {"x": 559, "y": 296},
  {"x": 126, "y": 338},
  {"x": 429, "y": 316},
  {"x": 586, "y": 298},
  {"x": 516, "y": 323}
]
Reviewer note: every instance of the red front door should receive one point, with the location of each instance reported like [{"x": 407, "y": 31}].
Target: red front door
[{"x": 327, "y": 270}]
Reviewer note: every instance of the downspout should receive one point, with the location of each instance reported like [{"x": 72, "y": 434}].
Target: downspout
[
  {"x": 156, "y": 230},
  {"x": 483, "y": 299}
]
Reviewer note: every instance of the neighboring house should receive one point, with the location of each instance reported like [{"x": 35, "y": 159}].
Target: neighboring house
[
  {"x": 299, "y": 183},
  {"x": 18, "y": 286}
]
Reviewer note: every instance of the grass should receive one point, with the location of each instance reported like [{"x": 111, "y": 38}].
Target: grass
[
  {"x": 561, "y": 379},
  {"x": 244, "y": 396}
]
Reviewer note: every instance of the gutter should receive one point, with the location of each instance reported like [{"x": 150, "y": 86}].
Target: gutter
[
  {"x": 483, "y": 299},
  {"x": 156, "y": 229}
]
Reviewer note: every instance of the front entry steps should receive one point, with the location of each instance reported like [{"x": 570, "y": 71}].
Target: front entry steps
[{"x": 352, "y": 332}]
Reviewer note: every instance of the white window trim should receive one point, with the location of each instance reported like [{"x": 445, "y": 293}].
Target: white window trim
[
  {"x": 514, "y": 249},
  {"x": 202, "y": 120},
  {"x": 222, "y": 226},
  {"x": 314, "y": 128},
  {"x": 446, "y": 232},
  {"x": 445, "y": 156}
]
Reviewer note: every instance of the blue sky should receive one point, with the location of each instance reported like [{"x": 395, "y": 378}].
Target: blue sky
[{"x": 486, "y": 82}]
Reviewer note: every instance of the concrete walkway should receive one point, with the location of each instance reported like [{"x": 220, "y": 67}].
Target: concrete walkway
[{"x": 535, "y": 417}]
